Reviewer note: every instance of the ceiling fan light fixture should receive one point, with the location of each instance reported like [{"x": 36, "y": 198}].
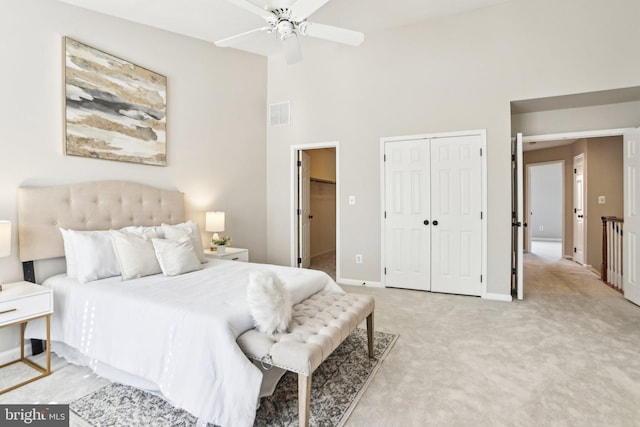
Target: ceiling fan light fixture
[
  {"x": 291, "y": 20},
  {"x": 285, "y": 29}
]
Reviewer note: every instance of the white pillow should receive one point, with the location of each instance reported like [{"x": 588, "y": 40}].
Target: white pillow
[
  {"x": 94, "y": 255},
  {"x": 140, "y": 230},
  {"x": 192, "y": 230},
  {"x": 269, "y": 302},
  {"x": 176, "y": 256},
  {"x": 69, "y": 254},
  {"x": 135, "y": 254}
]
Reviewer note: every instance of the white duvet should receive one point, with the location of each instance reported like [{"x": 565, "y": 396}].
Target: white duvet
[{"x": 178, "y": 333}]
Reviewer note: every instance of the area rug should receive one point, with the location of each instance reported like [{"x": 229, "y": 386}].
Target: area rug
[{"x": 336, "y": 387}]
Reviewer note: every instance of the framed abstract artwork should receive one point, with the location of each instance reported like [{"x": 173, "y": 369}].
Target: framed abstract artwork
[{"x": 114, "y": 109}]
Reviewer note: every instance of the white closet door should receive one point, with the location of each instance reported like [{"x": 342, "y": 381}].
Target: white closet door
[
  {"x": 407, "y": 245},
  {"x": 456, "y": 206},
  {"x": 631, "y": 239}
]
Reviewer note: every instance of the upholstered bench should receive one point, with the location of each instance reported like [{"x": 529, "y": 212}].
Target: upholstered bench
[{"x": 319, "y": 325}]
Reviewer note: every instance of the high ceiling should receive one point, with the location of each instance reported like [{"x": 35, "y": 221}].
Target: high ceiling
[{"x": 213, "y": 20}]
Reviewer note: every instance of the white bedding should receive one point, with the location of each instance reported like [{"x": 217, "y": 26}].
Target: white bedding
[{"x": 178, "y": 333}]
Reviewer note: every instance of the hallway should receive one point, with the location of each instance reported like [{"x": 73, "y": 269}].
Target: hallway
[{"x": 547, "y": 277}]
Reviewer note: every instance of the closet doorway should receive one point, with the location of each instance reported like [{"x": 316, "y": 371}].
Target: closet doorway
[
  {"x": 315, "y": 198},
  {"x": 434, "y": 212}
]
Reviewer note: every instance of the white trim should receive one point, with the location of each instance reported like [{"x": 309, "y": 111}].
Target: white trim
[
  {"x": 355, "y": 282},
  {"x": 483, "y": 144},
  {"x": 497, "y": 297},
  {"x": 482, "y": 132},
  {"x": 14, "y": 353},
  {"x": 574, "y": 135},
  {"x": 485, "y": 220},
  {"x": 292, "y": 193}
]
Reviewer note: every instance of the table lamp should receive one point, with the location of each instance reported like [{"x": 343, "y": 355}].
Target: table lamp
[
  {"x": 5, "y": 242},
  {"x": 215, "y": 223}
]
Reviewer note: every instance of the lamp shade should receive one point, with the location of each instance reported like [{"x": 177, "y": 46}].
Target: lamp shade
[
  {"x": 215, "y": 221},
  {"x": 5, "y": 238}
]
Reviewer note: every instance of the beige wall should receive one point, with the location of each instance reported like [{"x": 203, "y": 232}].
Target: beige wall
[
  {"x": 603, "y": 177},
  {"x": 323, "y": 163},
  {"x": 457, "y": 73},
  {"x": 216, "y": 119}
]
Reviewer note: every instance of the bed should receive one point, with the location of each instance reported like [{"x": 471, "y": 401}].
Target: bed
[{"x": 175, "y": 336}]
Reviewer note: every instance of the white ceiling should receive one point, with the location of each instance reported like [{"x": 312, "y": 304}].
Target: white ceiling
[{"x": 213, "y": 20}]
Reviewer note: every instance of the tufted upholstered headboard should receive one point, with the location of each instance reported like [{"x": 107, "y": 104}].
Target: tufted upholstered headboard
[{"x": 101, "y": 205}]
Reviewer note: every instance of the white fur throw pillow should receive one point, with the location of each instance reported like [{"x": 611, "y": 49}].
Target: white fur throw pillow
[{"x": 269, "y": 302}]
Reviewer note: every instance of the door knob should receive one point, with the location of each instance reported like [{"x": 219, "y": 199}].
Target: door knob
[
  {"x": 435, "y": 222},
  {"x": 426, "y": 222},
  {"x": 310, "y": 216}
]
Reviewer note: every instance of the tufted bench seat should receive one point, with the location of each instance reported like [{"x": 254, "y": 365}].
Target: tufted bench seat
[{"x": 319, "y": 325}]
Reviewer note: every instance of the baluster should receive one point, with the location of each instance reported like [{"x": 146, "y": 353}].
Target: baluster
[
  {"x": 610, "y": 252},
  {"x": 617, "y": 254}
]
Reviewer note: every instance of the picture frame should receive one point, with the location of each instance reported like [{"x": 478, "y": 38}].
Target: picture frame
[{"x": 113, "y": 109}]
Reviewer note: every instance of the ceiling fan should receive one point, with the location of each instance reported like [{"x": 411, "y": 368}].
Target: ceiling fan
[{"x": 288, "y": 21}]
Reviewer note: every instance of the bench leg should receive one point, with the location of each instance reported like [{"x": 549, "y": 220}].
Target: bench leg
[
  {"x": 372, "y": 351},
  {"x": 304, "y": 399}
]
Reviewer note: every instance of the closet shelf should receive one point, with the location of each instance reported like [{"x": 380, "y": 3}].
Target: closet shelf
[{"x": 322, "y": 180}]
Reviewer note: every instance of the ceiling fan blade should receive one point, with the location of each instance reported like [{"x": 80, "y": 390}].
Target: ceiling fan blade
[
  {"x": 230, "y": 41},
  {"x": 292, "y": 51},
  {"x": 250, "y": 7},
  {"x": 331, "y": 33},
  {"x": 302, "y": 9}
]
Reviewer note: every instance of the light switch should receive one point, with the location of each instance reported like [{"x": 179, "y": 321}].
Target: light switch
[
  {"x": 601, "y": 200},
  {"x": 352, "y": 200}
]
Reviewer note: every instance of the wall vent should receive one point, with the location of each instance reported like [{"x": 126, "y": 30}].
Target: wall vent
[{"x": 280, "y": 114}]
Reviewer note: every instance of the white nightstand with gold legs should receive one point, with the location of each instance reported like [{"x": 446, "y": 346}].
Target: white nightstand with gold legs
[{"x": 20, "y": 303}]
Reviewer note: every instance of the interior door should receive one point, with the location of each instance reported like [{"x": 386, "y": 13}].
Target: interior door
[
  {"x": 456, "y": 215},
  {"x": 407, "y": 209},
  {"x": 578, "y": 209},
  {"x": 519, "y": 219},
  {"x": 631, "y": 251},
  {"x": 304, "y": 197}
]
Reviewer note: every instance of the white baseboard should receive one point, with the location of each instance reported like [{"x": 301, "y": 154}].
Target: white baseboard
[
  {"x": 498, "y": 297},
  {"x": 354, "y": 282},
  {"x": 14, "y": 353},
  {"x": 546, "y": 239}
]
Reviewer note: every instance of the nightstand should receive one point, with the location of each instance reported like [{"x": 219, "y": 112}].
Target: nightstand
[
  {"x": 231, "y": 254},
  {"x": 20, "y": 303}
]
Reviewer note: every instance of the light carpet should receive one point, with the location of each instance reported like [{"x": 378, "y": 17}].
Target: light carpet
[{"x": 336, "y": 387}]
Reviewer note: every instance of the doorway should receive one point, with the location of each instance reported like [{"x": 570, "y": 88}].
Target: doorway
[
  {"x": 545, "y": 209},
  {"x": 592, "y": 192},
  {"x": 315, "y": 207}
]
